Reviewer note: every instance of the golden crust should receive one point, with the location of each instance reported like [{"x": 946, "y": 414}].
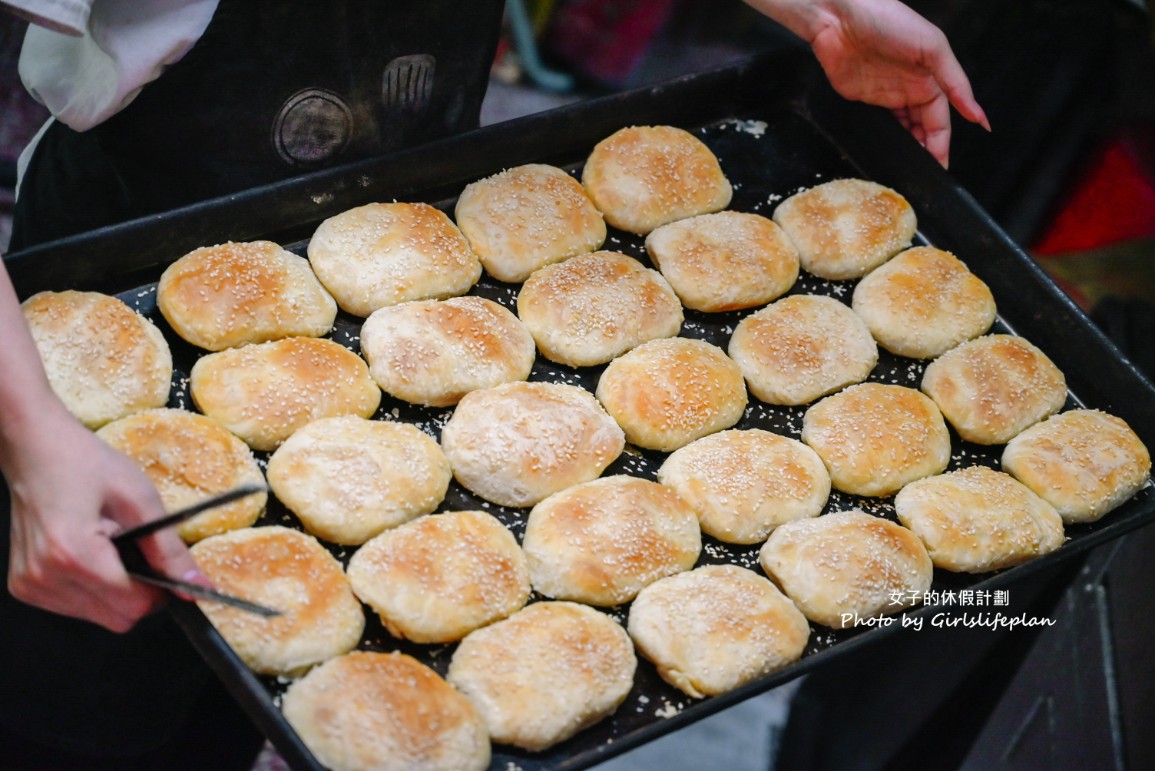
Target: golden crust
[
  {"x": 993, "y": 387},
  {"x": 642, "y": 177},
  {"x": 228, "y": 295},
  {"x": 524, "y": 218},
  {"x": 369, "y": 711},
  {"x": 1084, "y": 462},
  {"x": 103, "y": 359},
  {"x": 591, "y": 308},
  {"x": 724, "y": 261},
  {"x": 844, "y": 567},
  {"x": 602, "y": 541}
]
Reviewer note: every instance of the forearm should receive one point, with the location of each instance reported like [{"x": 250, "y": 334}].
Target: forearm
[{"x": 805, "y": 18}]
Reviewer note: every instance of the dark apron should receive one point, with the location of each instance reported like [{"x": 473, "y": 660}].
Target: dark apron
[{"x": 273, "y": 89}]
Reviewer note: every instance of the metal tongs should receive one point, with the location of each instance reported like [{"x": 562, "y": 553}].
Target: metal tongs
[{"x": 138, "y": 567}]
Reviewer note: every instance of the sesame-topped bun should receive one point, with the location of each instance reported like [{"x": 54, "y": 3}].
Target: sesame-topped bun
[
  {"x": 846, "y": 227},
  {"x": 802, "y": 347},
  {"x": 517, "y": 443},
  {"x": 266, "y": 391},
  {"x": 368, "y": 711},
  {"x": 847, "y": 566},
  {"x": 589, "y": 309},
  {"x": 875, "y": 438},
  {"x": 1084, "y": 462},
  {"x": 524, "y": 218},
  {"x": 724, "y": 261},
  {"x": 993, "y": 387},
  {"x": 437, "y": 578},
  {"x": 191, "y": 457},
  {"x": 645, "y": 176},
  {"x": 545, "y": 673},
  {"x": 667, "y": 393},
  {"x": 744, "y": 483},
  {"x": 714, "y": 628},
  {"x": 288, "y": 571},
  {"x": 433, "y": 352},
  {"x": 600, "y": 542},
  {"x": 387, "y": 253},
  {"x": 103, "y": 359},
  {"x": 223, "y": 296},
  {"x": 347, "y": 478},
  {"x": 923, "y": 302}
]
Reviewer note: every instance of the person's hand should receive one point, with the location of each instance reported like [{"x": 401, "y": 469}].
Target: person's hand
[{"x": 883, "y": 53}]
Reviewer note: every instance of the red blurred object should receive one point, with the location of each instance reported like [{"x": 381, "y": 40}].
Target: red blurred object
[{"x": 604, "y": 40}]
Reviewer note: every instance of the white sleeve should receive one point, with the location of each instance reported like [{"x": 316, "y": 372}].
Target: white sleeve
[{"x": 68, "y": 17}]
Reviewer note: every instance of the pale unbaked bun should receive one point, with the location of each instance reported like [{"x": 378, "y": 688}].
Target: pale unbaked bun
[
  {"x": 387, "y": 253},
  {"x": 977, "y": 519},
  {"x": 802, "y": 347},
  {"x": 716, "y": 627},
  {"x": 545, "y": 673},
  {"x": 437, "y": 578},
  {"x": 433, "y": 352},
  {"x": 846, "y": 227},
  {"x": 600, "y": 542},
  {"x": 993, "y": 387},
  {"x": 724, "y": 261},
  {"x": 526, "y": 217},
  {"x": 223, "y": 296},
  {"x": 589, "y": 309},
  {"x": 1084, "y": 462},
  {"x": 875, "y": 438},
  {"x": 744, "y": 483},
  {"x": 923, "y": 302},
  {"x": 667, "y": 393},
  {"x": 288, "y": 571},
  {"x": 347, "y": 478},
  {"x": 368, "y": 711},
  {"x": 103, "y": 359},
  {"x": 266, "y": 391},
  {"x": 645, "y": 176},
  {"x": 190, "y": 457},
  {"x": 514, "y": 444},
  {"x": 844, "y": 567}
]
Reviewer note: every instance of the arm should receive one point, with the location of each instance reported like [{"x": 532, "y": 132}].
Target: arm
[
  {"x": 883, "y": 53},
  {"x": 70, "y": 492}
]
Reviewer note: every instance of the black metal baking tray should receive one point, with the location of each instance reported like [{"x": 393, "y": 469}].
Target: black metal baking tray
[{"x": 776, "y": 128}]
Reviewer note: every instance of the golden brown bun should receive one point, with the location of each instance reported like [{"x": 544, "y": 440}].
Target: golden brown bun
[
  {"x": 385, "y": 712},
  {"x": 347, "y": 478},
  {"x": 802, "y": 347},
  {"x": 847, "y": 566},
  {"x": 993, "y": 387},
  {"x": 645, "y": 176},
  {"x": 717, "y": 627},
  {"x": 388, "y": 253},
  {"x": 875, "y": 438},
  {"x": 744, "y": 483},
  {"x": 589, "y": 309},
  {"x": 437, "y": 578},
  {"x": 846, "y": 227},
  {"x": 288, "y": 571},
  {"x": 514, "y": 444},
  {"x": 724, "y": 261},
  {"x": 190, "y": 457},
  {"x": 1084, "y": 462},
  {"x": 103, "y": 359},
  {"x": 600, "y": 542},
  {"x": 545, "y": 673},
  {"x": 433, "y": 352},
  {"x": 667, "y": 393},
  {"x": 923, "y": 302},
  {"x": 977, "y": 519},
  {"x": 223, "y": 296},
  {"x": 527, "y": 217},
  {"x": 266, "y": 391}
]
